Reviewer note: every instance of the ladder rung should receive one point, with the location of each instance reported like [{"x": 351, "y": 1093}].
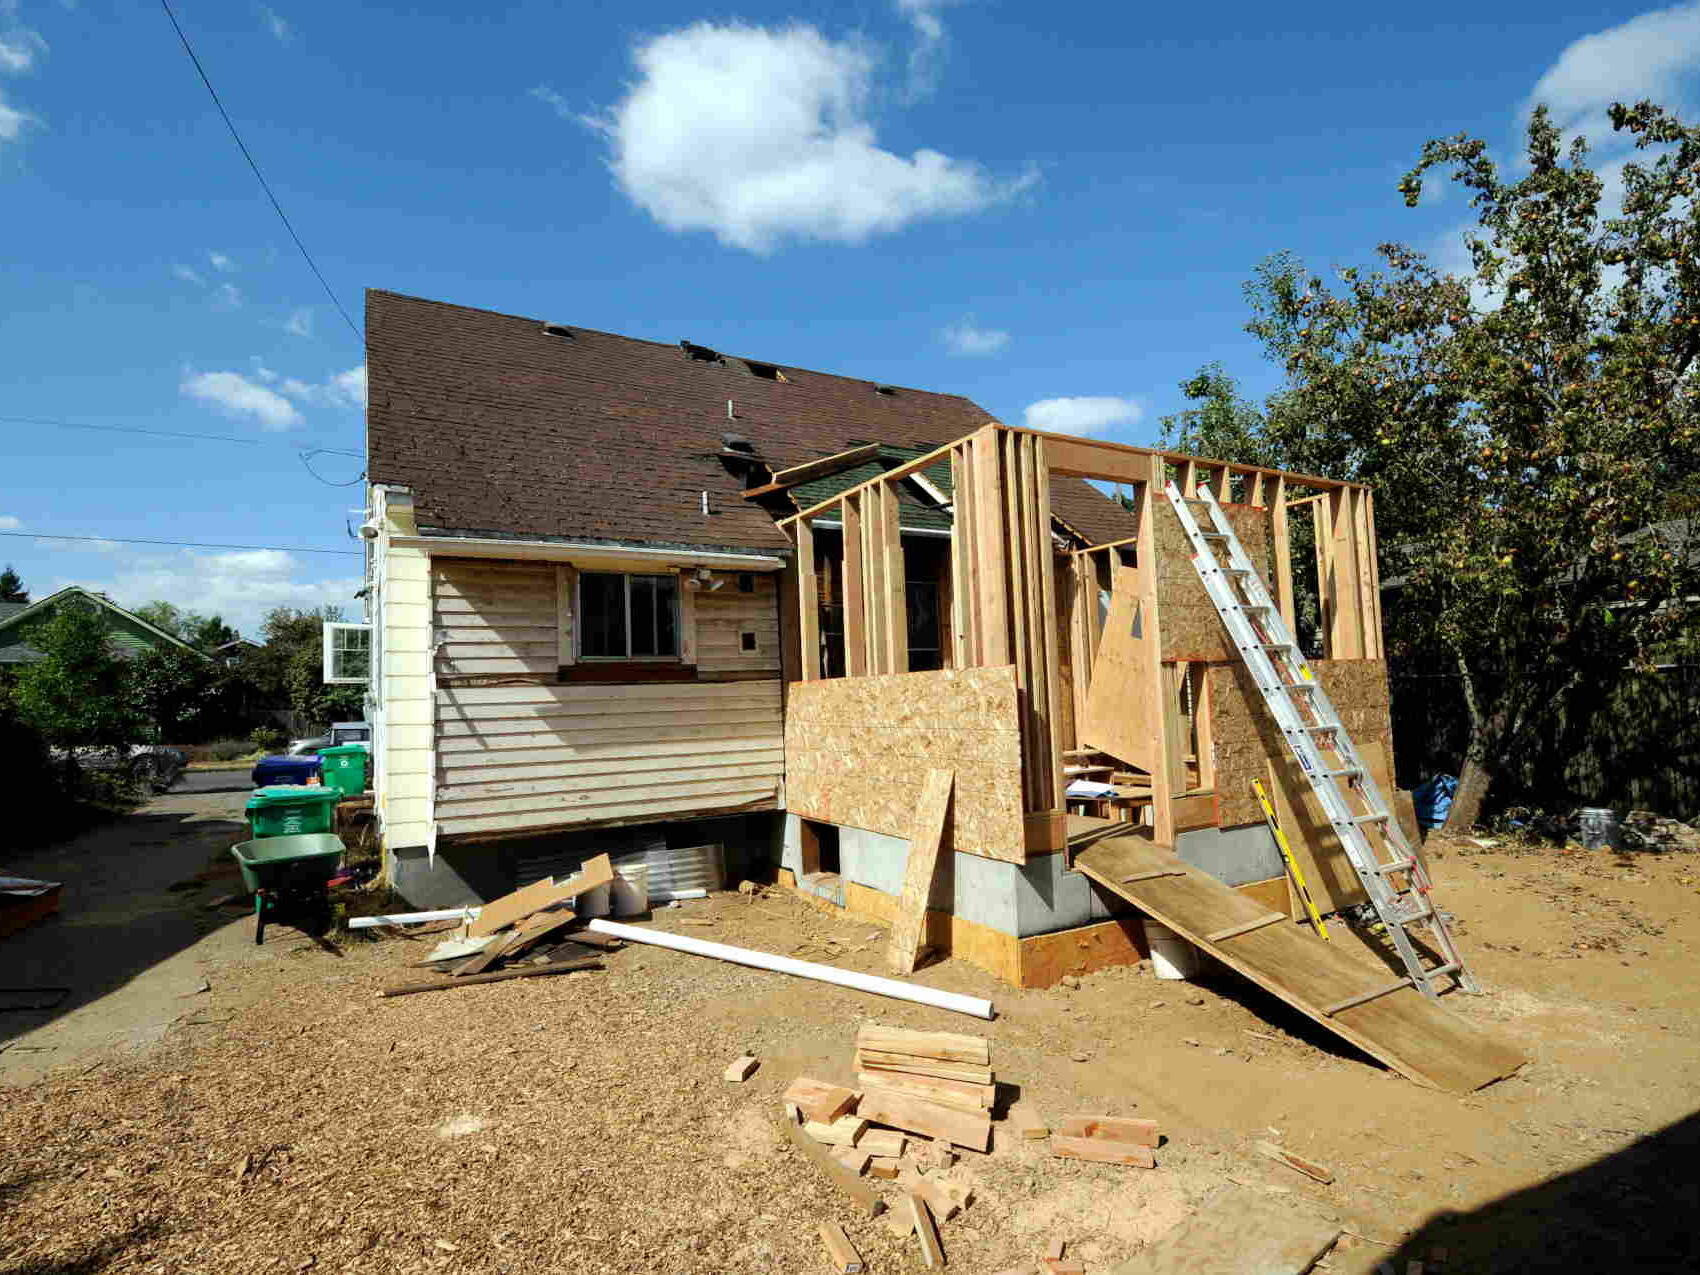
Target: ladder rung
[
  {"x": 1363, "y": 819},
  {"x": 1212, "y": 535},
  {"x": 1393, "y": 865},
  {"x": 1339, "y": 774}
]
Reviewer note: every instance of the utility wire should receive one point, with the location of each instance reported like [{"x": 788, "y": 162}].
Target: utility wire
[
  {"x": 172, "y": 433},
  {"x": 264, "y": 185},
  {"x": 181, "y": 544}
]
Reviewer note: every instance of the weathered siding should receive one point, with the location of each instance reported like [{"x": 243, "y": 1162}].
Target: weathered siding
[
  {"x": 406, "y": 769},
  {"x": 725, "y": 615},
  {"x": 495, "y": 617},
  {"x": 519, "y": 757}
]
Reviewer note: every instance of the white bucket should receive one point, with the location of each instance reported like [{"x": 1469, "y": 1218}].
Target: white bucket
[
  {"x": 631, "y": 889},
  {"x": 1171, "y": 955}
]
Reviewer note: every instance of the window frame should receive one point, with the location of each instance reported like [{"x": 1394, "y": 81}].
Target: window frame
[
  {"x": 331, "y": 674},
  {"x": 579, "y": 625}
]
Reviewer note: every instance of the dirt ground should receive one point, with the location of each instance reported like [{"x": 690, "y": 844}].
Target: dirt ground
[{"x": 579, "y": 1123}]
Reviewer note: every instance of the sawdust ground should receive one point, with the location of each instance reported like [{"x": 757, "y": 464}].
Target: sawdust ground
[{"x": 579, "y": 1123}]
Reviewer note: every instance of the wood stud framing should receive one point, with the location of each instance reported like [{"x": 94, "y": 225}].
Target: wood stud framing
[{"x": 1003, "y": 602}]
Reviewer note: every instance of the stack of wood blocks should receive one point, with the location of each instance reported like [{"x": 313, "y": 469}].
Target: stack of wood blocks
[{"x": 921, "y": 1095}]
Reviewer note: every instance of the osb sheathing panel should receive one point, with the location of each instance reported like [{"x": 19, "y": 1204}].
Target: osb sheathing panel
[
  {"x": 857, "y": 751},
  {"x": 1190, "y": 627},
  {"x": 1245, "y": 739}
]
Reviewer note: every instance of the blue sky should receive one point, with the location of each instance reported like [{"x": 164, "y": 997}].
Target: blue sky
[{"x": 1049, "y": 208}]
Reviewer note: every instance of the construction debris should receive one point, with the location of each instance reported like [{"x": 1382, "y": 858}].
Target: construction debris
[
  {"x": 1107, "y": 1140},
  {"x": 926, "y": 1234},
  {"x": 819, "y": 1102},
  {"x": 741, "y": 1069},
  {"x": 1307, "y": 1167},
  {"x": 839, "y": 1250}
]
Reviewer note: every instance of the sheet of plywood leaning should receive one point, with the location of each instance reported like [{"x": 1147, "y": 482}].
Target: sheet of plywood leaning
[
  {"x": 1190, "y": 628},
  {"x": 1404, "y": 1029},
  {"x": 857, "y": 753},
  {"x": 1123, "y": 708},
  {"x": 1246, "y": 745}
]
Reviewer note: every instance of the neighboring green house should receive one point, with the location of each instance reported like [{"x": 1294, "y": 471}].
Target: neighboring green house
[{"x": 129, "y": 634}]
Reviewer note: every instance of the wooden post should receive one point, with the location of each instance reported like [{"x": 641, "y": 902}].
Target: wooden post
[
  {"x": 1380, "y": 648},
  {"x": 1368, "y": 631},
  {"x": 1047, "y": 658},
  {"x": 1346, "y": 638},
  {"x": 1162, "y": 790},
  {"x": 1011, "y": 450},
  {"x": 808, "y": 604},
  {"x": 963, "y": 595},
  {"x": 1254, "y": 493},
  {"x": 893, "y": 601},
  {"x": 1225, "y": 485},
  {"x": 1283, "y": 548},
  {"x": 855, "y": 628},
  {"x": 1189, "y": 480},
  {"x": 1327, "y": 608},
  {"x": 990, "y": 549}
]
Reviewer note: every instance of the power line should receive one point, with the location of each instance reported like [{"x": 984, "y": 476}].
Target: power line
[
  {"x": 264, "y": 185},
  {"x": 180, "y": 544},
  {"x": 173, "y": 433}
]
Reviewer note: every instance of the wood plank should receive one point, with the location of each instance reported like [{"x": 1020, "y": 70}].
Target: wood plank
[
  {"x": 840, "y": 1252},
  {"x": 818, "y": 468},
  {"x": 957, "y": 1094},
  {"x": 500, "y": 913},
  {"x": 1281, "y": 547},
  {"x": 714, "y": 801},
  {"x": 808, "y": 601},
  {"x": 818, "y": 1100},
  {"x": 1298, "y": 1164},
  {"x": 855, "y": 601},
  {"x": 841, "y": 1132},
  {"x": 864, "y": 1197},
  {"x": 929, "y": 830},
  {"x": 1142, "y": 1133},
  {"x": 497, "y": 976},
  {"x": 992, "y": 549},
  {"x": 1415, "y": 1036},
  {"x": 957, "y": 1047},
  {"x": 1121, "y": 708},
  {"x": 914, "y": 1115},
  {"x": 1102, "y": 1151},
  {"x": 740, "y": 1069},
  {"x": 877, "y": 1060},
  {"x": 926, "y": 1233},
  {"x": 1238, "y": 1232}
]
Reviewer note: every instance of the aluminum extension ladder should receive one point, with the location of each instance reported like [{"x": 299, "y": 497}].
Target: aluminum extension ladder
[{"x": 1323, "y": 748}]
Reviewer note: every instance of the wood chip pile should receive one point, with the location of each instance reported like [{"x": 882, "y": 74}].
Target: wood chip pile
[{"x": 526, "y": 934}]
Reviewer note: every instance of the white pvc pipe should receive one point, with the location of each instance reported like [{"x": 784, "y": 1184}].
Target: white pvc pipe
[
  {"x": 971, "y": 1005},
  {"x": 412, "y": 918}
]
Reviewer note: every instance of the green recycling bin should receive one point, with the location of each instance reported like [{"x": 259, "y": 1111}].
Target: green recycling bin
[
  {"x": 288, "y": 810},
  {"x": 344, "y": 768}
]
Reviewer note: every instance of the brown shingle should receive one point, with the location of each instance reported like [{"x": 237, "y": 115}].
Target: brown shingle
[{"x": 497, "y": 427}]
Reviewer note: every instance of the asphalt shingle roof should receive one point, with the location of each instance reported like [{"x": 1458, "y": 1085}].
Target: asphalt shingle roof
[{"x": 498, "y": 427}]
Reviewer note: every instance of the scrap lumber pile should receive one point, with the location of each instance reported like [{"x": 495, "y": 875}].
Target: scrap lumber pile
[
  {"x": 527, "y": 934},
  {"x": 921, "y": 1095}
]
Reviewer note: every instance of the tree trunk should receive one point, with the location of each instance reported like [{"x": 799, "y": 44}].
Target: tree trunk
[{"x": 1467, "y": 802}]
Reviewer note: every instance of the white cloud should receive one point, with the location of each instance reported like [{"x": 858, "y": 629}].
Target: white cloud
[
  {"x": 1084, "y": 415},
  {"x": 188, "y": 274},
  {"x": 760, "y": 135},
  {"x": 563, "y": 108},
  {"x": 351, "y": 386},
  {"x": 220, "y": 261},
  {"x": 18, "y": 49},
  {"x": 227, "y": 296},
  {"x": 299, "y": 322},
  {"x": 241, "y": 586},
  {"x": 12, "y": 121},
  {"x": 928, "y": 50},
  {"x": 275, "y": 24},
  {"x": 9, "y": 522},
  {"x": 235, "y": 395},
  {"x": 969, "y": 338},
  {"x": 1655, "y": 55}
]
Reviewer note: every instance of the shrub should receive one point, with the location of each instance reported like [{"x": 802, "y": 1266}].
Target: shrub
[
  {"x": 269, "y": 739},
  {"x": 229, "y": 749}
]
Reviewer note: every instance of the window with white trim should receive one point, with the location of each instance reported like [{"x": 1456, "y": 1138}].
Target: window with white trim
[
  {"x": 627, "y": 617},
  {"x": 348, "y": 654}
]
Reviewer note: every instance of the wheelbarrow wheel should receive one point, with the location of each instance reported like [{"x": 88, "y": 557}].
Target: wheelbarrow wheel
[{"x": 259, "y": 917}]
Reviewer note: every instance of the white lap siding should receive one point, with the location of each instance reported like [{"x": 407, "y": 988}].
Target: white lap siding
[{"x": 539, "y": 755}]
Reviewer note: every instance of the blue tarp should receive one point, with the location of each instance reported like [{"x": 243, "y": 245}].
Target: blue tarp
[{"x": 1434, "y": 800}]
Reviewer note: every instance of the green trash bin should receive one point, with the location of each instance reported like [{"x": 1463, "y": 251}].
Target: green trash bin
[
  {"x": 344, "y": 767},
  {"x": 288, "y": 810}
]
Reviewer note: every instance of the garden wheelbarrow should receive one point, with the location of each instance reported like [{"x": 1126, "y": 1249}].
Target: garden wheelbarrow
[{"x": 288, "y": 876}]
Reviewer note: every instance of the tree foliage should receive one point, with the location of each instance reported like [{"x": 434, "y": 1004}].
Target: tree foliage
[
  {"x": 76, "y": 694},
  {"x": 1528, "y": 424},
  {"x": 203, "y": 632},
  {"x": 289, "y": 668},
  {"x": 12, "y": 586}
]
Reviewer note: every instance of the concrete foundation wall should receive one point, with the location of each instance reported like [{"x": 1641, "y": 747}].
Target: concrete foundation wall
[{"x": 1234, "y": 856}]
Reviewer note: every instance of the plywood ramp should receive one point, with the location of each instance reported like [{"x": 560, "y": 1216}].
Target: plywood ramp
[{"x": 1411, "y": 1034}]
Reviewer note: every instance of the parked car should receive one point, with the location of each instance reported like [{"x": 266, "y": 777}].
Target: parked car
[
  {"x": 339, "y": 733},
  {"x": 148, "y": 766}
]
